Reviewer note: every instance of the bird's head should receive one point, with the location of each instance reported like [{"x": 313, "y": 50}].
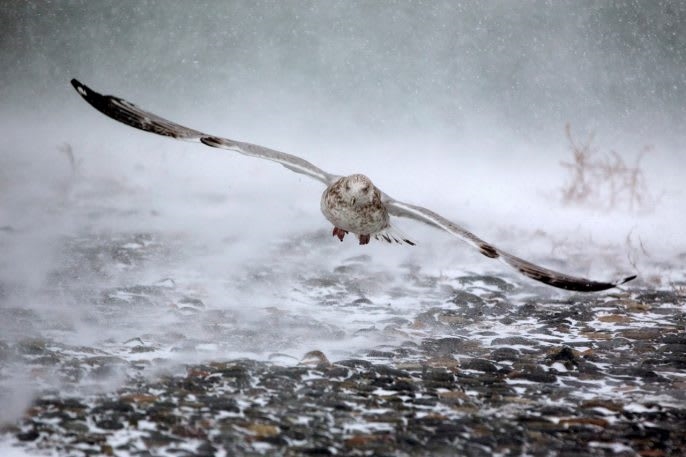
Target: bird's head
[{"x": 358, "y": 190}]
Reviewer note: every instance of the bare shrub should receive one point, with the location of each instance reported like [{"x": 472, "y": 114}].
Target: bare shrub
[{"x": 605, "y": 180}]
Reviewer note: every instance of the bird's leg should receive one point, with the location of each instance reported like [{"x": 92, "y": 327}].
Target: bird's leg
[
  {"x": 339, "y": 232},
  {"x": 364, "y": 239}
]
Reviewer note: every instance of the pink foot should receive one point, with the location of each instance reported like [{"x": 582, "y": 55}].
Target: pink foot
[
  {"x": 340, "y": 233},
  {"x": 364, "y": 239}
]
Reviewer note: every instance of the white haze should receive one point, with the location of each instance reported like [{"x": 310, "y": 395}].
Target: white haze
[{"x": 457, "y": 108}]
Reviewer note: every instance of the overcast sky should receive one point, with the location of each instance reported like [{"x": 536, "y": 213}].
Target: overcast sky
[{"x": 392, "y": 66}]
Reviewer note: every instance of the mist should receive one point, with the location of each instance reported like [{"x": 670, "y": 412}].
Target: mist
[{"x": 457, "y": 107}]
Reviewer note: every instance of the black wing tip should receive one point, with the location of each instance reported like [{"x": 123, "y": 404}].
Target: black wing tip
[
  {"x": 87, "y": 93},
  {"x": 568, "y": 282},
  {"x": 627, "y": 279},
  {"x": 590, "y": 286},
  {"x": 80, "y": 87}
]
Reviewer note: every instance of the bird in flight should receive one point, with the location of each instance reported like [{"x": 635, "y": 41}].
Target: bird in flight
[{"x": 351, "y": 203}]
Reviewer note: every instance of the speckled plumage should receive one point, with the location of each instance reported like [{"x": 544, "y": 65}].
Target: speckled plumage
[{"x": 351, "y": 203}]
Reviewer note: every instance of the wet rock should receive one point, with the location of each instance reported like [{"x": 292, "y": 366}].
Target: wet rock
[
  {"x": 675, "y": 338},
  {"x": 110, "y": 423},
  {"x": 240, "y": 375},
  {"x": 117, "y": 406},
  {"x": 362, "y": 301},
  {"x": 192, "y": 302},
  {"x": 638, "y": 372},
  {"x": 505, "y": 353},
  {"x": 142, "y": 349},
  {"x": 75, "y": 426},
  {"x": 157, "y": 439},
  {"x": 434, "y": 378},
  {"x": 419, "y": 409},
  {"x": 614, "y": 343},
  {"x": 492, "y": 281},
  {"x": 673, "y": 348},
  {"x": 355, "y": 363},
  {"x": 315, "y": 358},
  {"x": 659, "y": 296},
  {"x": 479, "y": 365},
  {"x": 30, "y": 435},
  {"x": 566, "y": 355},
  {"x": 514, "y": 341},
  {"x": 205, "y": 449},
  {"x": 315, "y": 451},
  {"x": 61, "y": 404},
  {"x": 465, "y": 298},
  {"x": 32, "y": 347},
  {"x": 403, "y": 385},
  {"x": 380, "y": 354},
  {"x": 615, "y": 319},
  {"x": 533, "y": 373},
  {"x": 642, "y": 334},
  {"x": 577, "y": 312},
  {"x": 440, "y": 377},
  {"x": 385, "y": 370},
  {"x": 336, "y": 372},
  {"x": 222, "y": 403},
  {"x": 448, "y": 346}
]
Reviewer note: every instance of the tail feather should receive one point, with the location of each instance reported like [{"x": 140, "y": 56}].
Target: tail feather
[{"x": 393, "y": 235}]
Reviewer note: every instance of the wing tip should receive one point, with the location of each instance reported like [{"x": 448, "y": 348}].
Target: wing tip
[
  {"x": 81, "y": 88},
  {"x": 592, "y": 286},
  {"x": 625, "y": 280}
]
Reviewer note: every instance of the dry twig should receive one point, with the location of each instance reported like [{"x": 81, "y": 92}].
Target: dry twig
[{"x": 605, "y": 180}]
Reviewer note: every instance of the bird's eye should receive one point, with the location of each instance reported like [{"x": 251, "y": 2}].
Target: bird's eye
[
  {"x": 347, "y": 187},
  {"x": 365, "y": 189}
]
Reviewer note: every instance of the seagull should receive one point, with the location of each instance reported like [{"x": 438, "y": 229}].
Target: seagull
[{"x": 353, "y": 204}]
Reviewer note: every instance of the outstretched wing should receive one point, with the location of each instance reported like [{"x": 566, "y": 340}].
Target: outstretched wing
[
  {"x": 130, "y": 114},
  {"x": 542, "y": 274}
]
